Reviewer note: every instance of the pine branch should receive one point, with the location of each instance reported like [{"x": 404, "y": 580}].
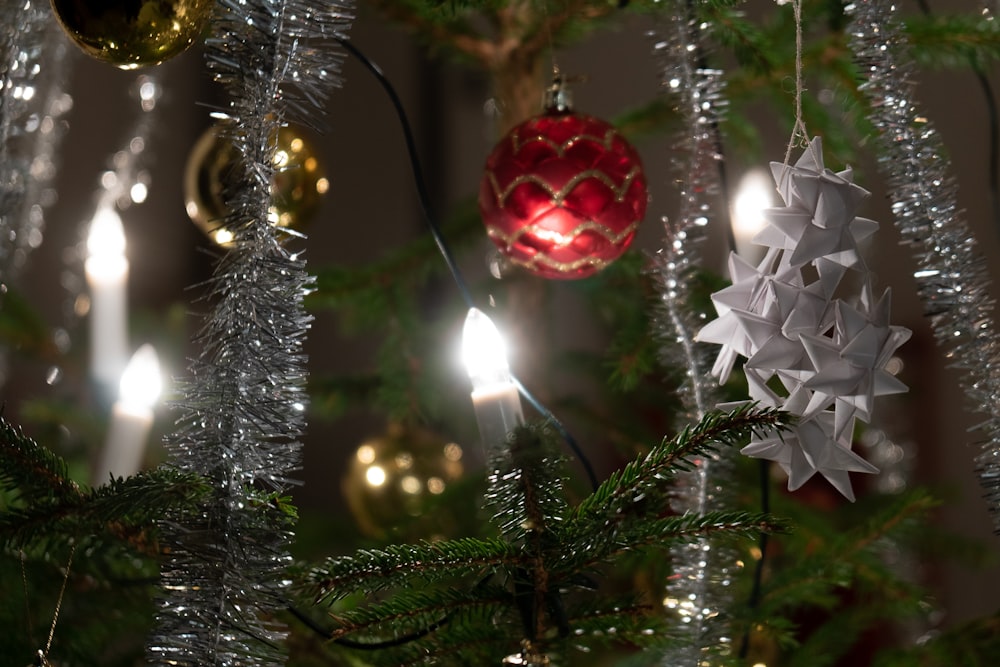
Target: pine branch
[
  {"x": 846, "y": 556},
  {"x": 439, "y": 26},
  {"x": 123, "y": 510},
  {"x": 35, "y": 474},
  {"x": 455, "y": 642},
  {"x": 525, "y": 485},
  {"x": 634, "y": 621},
  {"x": 972, "y": 644},
  {"x": 956, "y": 40},
  {"x": 585, "y": 543},
  {"x": 417, "y": 610},
  {"x": 45, "y": 504},
  {"x": 373, "y": 570},
  {"x": 618, "y": 495}
]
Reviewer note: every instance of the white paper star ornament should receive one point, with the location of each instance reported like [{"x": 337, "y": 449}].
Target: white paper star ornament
[{"x": 811, "y": 348}]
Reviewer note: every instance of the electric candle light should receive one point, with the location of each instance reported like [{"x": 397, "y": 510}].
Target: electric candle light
[
  {"x": 494, "y": 394},
  {"x": 131, "y": 417},
  {"x": 752, "y": 196},
  {"x": 107, "y": 275}
]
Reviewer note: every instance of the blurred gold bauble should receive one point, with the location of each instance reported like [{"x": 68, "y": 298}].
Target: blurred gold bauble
[
  {"x": 133, "y": 33},
  {"x": 391, "y": 478},
  {"x": 297, "y": 187}
]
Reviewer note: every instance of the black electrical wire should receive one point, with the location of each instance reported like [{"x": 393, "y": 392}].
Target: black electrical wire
[
  {"x": 449, "y": 258},
  {"x": 366, "y": 646},
  {"x": 758, "y": 575},
  {"x": 411, "y": 149}
]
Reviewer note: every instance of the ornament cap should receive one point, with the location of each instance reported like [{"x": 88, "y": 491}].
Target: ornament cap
[{"x": 558, "y": 96}]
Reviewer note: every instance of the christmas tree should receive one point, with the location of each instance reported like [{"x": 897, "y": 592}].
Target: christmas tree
[{"x": 373, "y": 187}]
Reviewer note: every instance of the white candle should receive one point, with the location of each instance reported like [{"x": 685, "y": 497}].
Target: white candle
[
  {"x": 107, "y": 275},
  {"x": 752, "y": 196},
  {"x": 131, "y": 417},
  {"x": 494, "y": 394}
]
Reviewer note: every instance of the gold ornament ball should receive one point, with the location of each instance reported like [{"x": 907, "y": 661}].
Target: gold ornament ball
[
  {"x": 297, "y": 187},
  {"x": 133, "y": 33},
  {"x": 391, "y": 478}
]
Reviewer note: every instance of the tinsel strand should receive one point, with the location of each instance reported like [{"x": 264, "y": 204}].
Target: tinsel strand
[
  {"x": 243, "y": 409},
  {"x": 32, "y": 109},
  {"x": 698, "y": 589},
  {"x": 952, "y": 277}
]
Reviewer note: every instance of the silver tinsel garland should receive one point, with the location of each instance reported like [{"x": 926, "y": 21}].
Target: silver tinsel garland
[
  {"x": 698, "y": 590},
  {"x": 243, "y": 409},
  {"x": 952, "y": 277},
  {"x": 33, "y": 59}
]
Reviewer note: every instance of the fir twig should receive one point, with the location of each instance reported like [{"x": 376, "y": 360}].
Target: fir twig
[
  {"x": 372, "y": 570},
  {"x": 46, "y": 504},
  {"x": 587, "y": 543},
  {"x": 34, "y": 473},
  {"x": 618, "y": 495},
  {"x": 414, "y": 610}
]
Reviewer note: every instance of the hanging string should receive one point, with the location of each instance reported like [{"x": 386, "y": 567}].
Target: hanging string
[
  {"x": 764, "y": 471},
  {"x": 43, "y": 654},
  {"x": 800, "y": 136},
  {"x": 456, "y": 273},
  {"x": 55, "y": 614},
  {"x": 27, "y": 605}
]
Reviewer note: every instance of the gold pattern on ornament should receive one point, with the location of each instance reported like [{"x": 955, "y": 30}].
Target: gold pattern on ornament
[
  {"x": 562, "y": 267},
  {"x": 607, "y": 141},
  {"x": 558, "y": 196},
  {"x": 562, "y": 239}
]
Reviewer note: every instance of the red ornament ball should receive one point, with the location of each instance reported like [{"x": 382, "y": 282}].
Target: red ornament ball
[{"x": 563, "y": 194}]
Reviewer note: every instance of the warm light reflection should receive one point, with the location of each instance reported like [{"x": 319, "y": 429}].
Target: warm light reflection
[{"x": 366, "y": 454}]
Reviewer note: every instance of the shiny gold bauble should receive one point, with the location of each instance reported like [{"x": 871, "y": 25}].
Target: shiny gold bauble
[
  {"x": 297, "y": 187},
  {"x": 392, "y": 479},
  {"x": 133, "y": 33}
]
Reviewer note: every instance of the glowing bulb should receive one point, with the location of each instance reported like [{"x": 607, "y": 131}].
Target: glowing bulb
[
  {"x": 106, "y": 239},
  {"x": 131, "y": 417},
  {"x": 141, "y": 384},
  {"x": 752, "y": 197},
  {"x": 107, "y": 273},
  {"x": 494, "y": 395},
  {"x": 483, "y": 351}
]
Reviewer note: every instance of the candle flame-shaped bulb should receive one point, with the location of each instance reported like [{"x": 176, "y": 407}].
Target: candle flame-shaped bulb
[
  {"x": 483, "y": 351},
  {"x": 106, "y": 238},
  {"x": 752, "y": 197},
  {"x": 141, "y": 385}
]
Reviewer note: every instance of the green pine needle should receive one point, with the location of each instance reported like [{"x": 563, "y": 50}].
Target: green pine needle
[
  {"x": 45, "y": 504},
  {"x": 401, "y": 566},
  {"x": 622, "y": 490}
]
